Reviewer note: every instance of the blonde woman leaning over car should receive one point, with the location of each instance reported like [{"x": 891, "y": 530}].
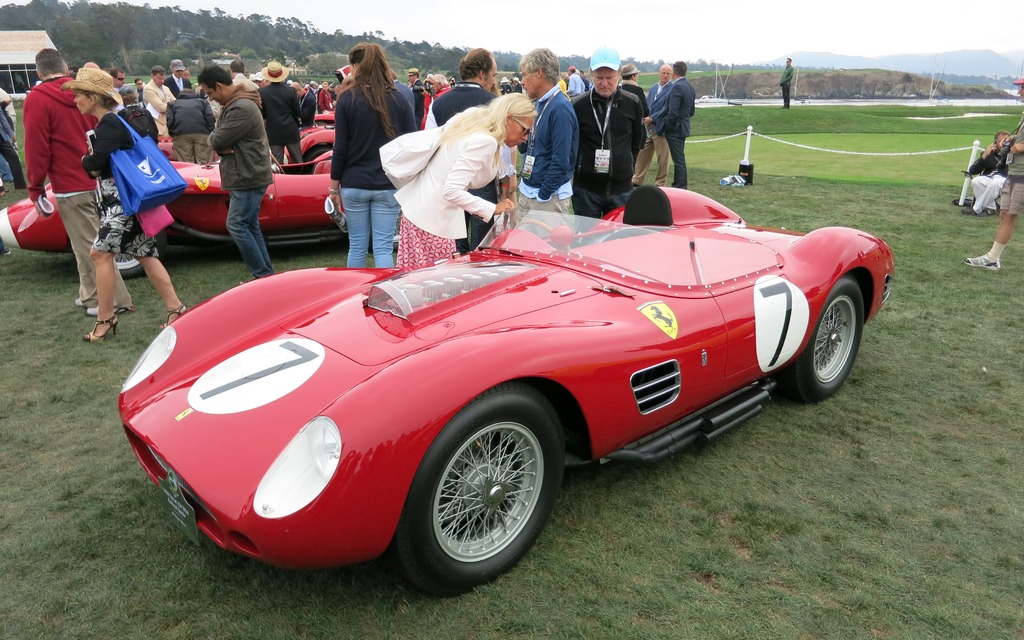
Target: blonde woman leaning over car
[{"x": 469, "y": 157}]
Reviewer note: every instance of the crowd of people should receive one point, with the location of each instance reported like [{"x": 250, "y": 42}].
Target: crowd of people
[{"x": 585, "y": 144}]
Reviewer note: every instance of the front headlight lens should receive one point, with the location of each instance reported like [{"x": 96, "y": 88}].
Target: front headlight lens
[
  {"x": 302, "y": 470},
  {"x": 152, "y": 358}
]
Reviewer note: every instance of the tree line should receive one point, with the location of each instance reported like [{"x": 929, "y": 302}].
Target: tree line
[{"x": 137, "y": 37}]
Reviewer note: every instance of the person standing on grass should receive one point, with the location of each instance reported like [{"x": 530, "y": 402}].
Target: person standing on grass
[
  {"x": 118, "y": 233},
  {"x": 55, "y": 142},
  {"x": 549, "y": 155},
  {"x": 1012, "y": 198},
  {"x": 671, "y": 118},
  {"x": 368, "y": 115},
  {"x": 241, "y": 141},
  {"x": 785, "y": 81}
]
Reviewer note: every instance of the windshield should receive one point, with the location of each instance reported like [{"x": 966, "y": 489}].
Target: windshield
[{"x": 649, "y": 253}]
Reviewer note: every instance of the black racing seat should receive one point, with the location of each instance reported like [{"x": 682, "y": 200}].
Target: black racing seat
[{"x": 648, "y": 205}]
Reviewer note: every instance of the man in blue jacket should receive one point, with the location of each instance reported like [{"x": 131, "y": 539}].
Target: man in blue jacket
[
  {"x": 672, "y": 120},
  {"x": 549, "y": 154}
]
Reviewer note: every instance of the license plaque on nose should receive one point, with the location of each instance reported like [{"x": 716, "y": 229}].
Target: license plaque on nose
[{"x": 181, "y": 511}]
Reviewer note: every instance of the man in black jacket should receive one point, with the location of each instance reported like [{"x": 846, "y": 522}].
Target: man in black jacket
[
  {"x": 190, "y": 123},
  {"x": 611, "y": 134},
  {"x": 281, "y": 112},
  {"x": 307, "y": 105}
]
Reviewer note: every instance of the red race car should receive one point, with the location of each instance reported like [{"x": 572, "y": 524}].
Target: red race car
[
  {"x": 317, "y": 142},
  {"x": 292, "y": 211},
  {"x": 433, "y": 413}
]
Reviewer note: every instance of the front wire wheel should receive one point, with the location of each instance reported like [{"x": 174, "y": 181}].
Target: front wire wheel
[
  {"x": 488, "y": 492},
  {"x": 483, "y": 491}
]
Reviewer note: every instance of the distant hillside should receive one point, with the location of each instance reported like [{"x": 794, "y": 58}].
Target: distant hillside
[
  {"x": 969, "y": 63},
  {"x": 835, "y": 85}
]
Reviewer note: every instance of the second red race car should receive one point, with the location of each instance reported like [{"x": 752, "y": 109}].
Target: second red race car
[{"x": 292, "y": 211}]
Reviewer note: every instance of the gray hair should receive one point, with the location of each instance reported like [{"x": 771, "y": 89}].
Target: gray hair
[
  {"x": 542, "y": 60},
  {"x": 49, "y": 62}
]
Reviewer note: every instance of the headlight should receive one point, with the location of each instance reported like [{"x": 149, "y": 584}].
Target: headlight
[
  {"x": 152, "y": 358},
  {"x": 302, "y": 470}
]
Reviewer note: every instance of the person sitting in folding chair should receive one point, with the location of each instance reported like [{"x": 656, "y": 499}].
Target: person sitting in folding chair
[{"x": 988, "y": 173}]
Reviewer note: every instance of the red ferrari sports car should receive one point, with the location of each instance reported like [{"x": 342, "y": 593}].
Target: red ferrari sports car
[
  {"x": 432, "y": 413},
  {"x": 292, "y": 211}
]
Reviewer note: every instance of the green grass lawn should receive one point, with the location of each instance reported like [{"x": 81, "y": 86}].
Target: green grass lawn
[{"x": 892, "y": 510}]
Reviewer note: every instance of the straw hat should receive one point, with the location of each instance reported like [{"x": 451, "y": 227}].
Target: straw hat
[
  {"x": 275, "y": 71},
  {"x": 95, "y": 81}
]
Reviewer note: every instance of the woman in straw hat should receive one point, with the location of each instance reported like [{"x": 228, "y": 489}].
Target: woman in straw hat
[{"x": 118, "y": 233}]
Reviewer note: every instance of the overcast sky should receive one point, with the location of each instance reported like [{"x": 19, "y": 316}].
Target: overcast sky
[{"x": 736, "y": 31}]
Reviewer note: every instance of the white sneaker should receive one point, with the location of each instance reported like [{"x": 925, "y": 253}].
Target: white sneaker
[{"x": 983, "y": 261}]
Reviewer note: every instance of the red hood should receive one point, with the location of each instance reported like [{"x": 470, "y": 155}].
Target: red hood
[
  {"x": 55, "y": 140},
  {"x": 51, "y": 89}
]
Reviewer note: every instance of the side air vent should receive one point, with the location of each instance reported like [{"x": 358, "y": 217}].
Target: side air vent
[{"x": 656, "y": 387}]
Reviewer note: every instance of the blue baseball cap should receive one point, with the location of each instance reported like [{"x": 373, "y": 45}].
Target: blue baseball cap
[{"x": 605, "y": 58}]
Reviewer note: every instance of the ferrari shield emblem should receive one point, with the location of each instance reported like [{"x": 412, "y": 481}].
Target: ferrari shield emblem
[
  {"x": 202, "y": 183},
  {"x": 662, "y": 317}
]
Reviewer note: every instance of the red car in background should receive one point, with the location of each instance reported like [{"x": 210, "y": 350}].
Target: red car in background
[{"x": 292, "y": 211}]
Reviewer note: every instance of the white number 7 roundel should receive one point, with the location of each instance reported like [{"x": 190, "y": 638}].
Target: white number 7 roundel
[
  {"x": 780, "y": 319},
  {"x": 257, "y": 376}
]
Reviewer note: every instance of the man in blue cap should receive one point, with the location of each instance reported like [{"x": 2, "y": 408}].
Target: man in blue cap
[{"x": 611, "y": 133}]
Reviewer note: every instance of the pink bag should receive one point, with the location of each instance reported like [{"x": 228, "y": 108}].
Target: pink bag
[{"x": 155, "y": 220}]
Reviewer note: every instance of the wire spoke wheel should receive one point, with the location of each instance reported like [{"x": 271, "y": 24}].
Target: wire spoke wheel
[
  {"x": 834, "y": 339},
  {"x": 488, "y": 492},
  {"x": 483, "y": 491},
  {"x": 826, "y": 361}
]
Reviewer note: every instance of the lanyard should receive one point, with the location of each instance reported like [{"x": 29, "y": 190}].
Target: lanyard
[{"x": 607, "y": 116}]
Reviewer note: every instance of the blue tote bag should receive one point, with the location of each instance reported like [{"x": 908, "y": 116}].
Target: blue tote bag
[{"x": 144, "y": 176}]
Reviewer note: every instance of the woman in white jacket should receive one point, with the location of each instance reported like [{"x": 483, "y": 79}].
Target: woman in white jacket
[{"x": 468, "y": 157}]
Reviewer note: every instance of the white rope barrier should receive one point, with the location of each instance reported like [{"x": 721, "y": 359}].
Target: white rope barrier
[
  {"x": 839, "y": 151},
  {"x": 750, "y": 133}
]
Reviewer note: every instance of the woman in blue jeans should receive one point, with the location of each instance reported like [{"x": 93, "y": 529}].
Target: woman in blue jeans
[{"x": 368, "y": 115}]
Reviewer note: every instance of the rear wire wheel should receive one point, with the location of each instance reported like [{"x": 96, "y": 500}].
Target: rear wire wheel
[{"x": 828, "y": 357}]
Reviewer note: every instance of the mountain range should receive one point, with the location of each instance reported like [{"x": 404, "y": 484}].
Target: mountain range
[{"x": 983, "y": 63}]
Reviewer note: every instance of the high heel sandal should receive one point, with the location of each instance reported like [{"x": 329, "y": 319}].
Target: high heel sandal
[
  {"x": 176, "y": 312},
  {"x": 111, "y": 324}
]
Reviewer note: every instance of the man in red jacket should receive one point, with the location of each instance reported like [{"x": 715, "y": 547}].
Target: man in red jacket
[{"x": 55, "y": 141}]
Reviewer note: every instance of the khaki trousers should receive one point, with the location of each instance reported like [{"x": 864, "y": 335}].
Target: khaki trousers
[
  {"x": 78, "y": 212},
  {"x": 654, "y": 144},
  {"x": 193, "y": 147}
]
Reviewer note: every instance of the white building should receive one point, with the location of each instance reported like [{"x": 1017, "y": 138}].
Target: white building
[{"x": 18, "y": 51}]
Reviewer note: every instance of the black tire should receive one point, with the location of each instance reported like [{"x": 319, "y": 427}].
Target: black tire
[
  {"x": 129, "y": 266},
  {"x": 315, "y": 152},
  {"x": 483, "y": 492},
  {"x": 828, "y": 357}
]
